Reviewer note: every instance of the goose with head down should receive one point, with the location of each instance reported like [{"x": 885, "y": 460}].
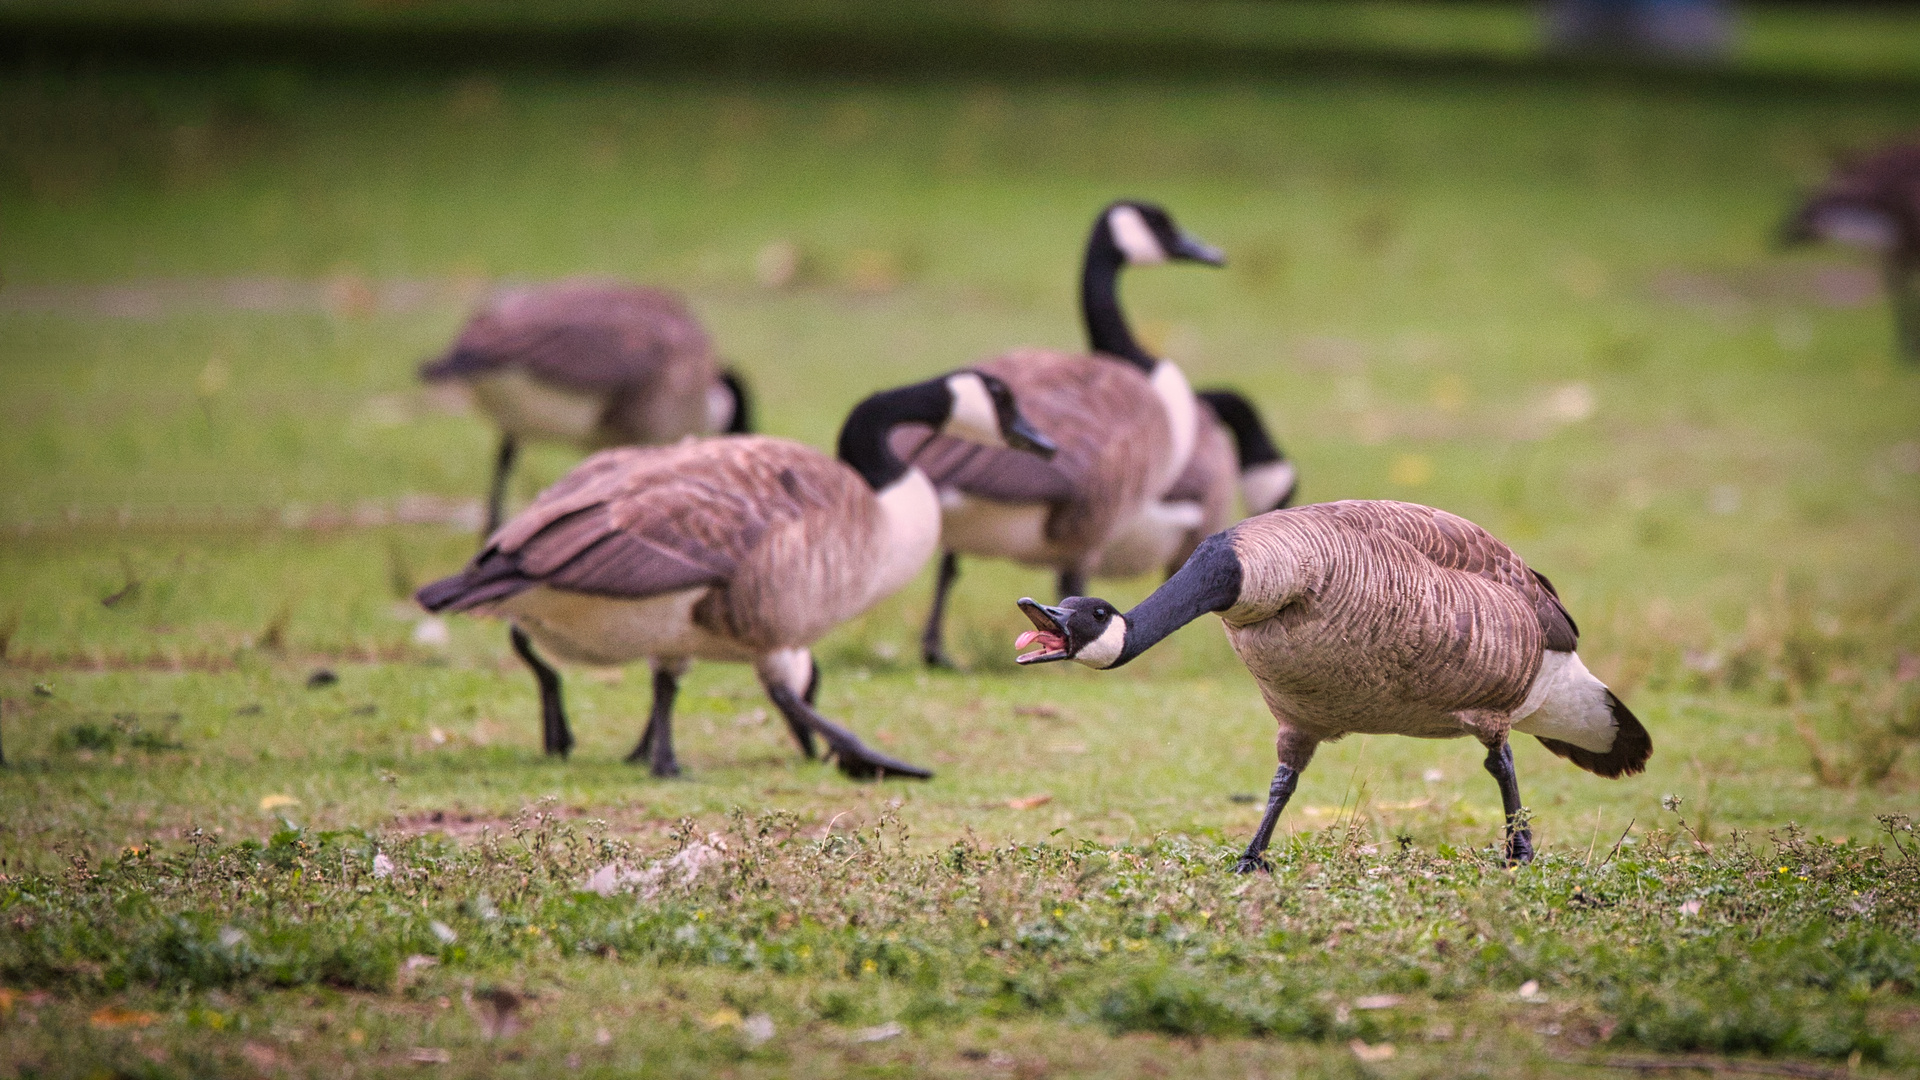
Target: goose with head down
[
  {"x": 742, "y": 548},
  {"x": 592, "y": 364},
  {"x": 1873, "y": 203},
  {"x": 1375, "y": 618},
  {"x": 1125, "y": 421}
]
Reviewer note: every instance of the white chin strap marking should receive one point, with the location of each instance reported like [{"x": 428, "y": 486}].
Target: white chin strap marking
[
  {"x": 1102, "y": 651},
  {"x": 973, "y": 417},
  {"x": 1134, "y": 237}
]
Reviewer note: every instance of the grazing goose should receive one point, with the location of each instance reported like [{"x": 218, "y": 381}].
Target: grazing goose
[
  {"x": 742, "y": 548},
  {"x": 1379, "y": 618},
  {"x": 1874, "y": 203},
  {"x": 591, "y": 364},
  {"x": 1230, "y": 439},
  {"x": 1125, "y": 422}
]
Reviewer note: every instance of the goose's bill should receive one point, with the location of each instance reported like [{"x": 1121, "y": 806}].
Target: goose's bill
[
  {"x": 1049, "y": 632},
  {"x": 1192, "y": 247},
  {"x": 1021, "y": 435}
]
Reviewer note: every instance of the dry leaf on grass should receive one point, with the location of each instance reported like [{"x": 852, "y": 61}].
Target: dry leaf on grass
[{"x": 1372, "y": 1052}]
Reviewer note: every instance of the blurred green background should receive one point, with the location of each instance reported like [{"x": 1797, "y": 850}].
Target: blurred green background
[
  {"x": 1534, "y": 288},
  {"x": 1465, "y": 271}
]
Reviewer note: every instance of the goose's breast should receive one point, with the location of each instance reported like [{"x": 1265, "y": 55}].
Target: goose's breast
[
  {"x": 528, "y": 408},
  {"x": 1148, "y": 540},
  {"x": 975, "y": 526},
  {"x": 604, "y": 630}
]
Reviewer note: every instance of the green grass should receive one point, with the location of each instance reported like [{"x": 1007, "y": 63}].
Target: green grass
[{"x": 1416, "y": 269}]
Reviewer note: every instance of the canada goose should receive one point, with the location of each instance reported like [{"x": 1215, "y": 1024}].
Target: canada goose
[
  {"x": 742, "y": 548},
  {"x": 1125, "y": 422},
  {"x": 1874, "y": 203},
  {"x": 1231, "y": 439},
  {"x": 593, "y": 364},
  {"x": 1379, "y": 618}
]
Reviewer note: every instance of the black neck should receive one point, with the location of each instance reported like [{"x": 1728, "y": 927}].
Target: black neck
[
  {"x": 1249, "y": 434},
  {"x": 1107, "y": 330},
  {"x": 863, "y": 438},
  {"x": 1209, "y": 581}
]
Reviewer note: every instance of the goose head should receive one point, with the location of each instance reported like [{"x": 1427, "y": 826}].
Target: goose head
[
  {"x": 1133, "y": 233},
  {"x": 966, "y": 404},
  {"x": 1085, "y": 629},
  {"x": 982, "y": 410}
]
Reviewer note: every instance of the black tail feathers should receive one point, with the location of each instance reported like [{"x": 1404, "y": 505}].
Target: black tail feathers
[{"x": 1632, "y": 746}]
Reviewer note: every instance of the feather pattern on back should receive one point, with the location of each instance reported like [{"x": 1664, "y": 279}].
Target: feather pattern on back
[
  {"x": 787, "y": 538},
  {"x": 641, "y": 350},
  {"x": 1388, "y": 617}
]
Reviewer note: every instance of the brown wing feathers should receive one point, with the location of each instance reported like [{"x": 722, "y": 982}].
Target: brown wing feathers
[
  {"x": 596, "y": 337},
  {"x": 1455, "y": 543},
  {"x": 641, "y": 521}
]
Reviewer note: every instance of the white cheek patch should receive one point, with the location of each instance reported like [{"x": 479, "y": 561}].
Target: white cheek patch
[
  {"x": 1102, "y": 651},
  {"x": 973, "y": 418},
  {"x": 1134, "y": 237},
  {"x": 1263, "y": 486}
]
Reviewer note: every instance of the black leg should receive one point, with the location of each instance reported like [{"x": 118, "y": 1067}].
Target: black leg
[
  {"x": 933, "y": 639},
  {"x": 1073, "y": 582},
  {"x": 813, "y": 683},
  {"x": 802, "y": 734},
  {"x": 1278, "y": 792},
  {"x": 553, "y": 714},
  {"x": 497, "y": 491},
  {"x": 656, "y": 743},
  {"x": 854, "y": 757},
  {"x": 1520, "y": 839}
]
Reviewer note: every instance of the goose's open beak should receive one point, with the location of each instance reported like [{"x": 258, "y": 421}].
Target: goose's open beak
[
  {"x": 1193, "y": 248},
  {"x": 1049, "y": 632},
  {"x": 1021, "y": 435}
]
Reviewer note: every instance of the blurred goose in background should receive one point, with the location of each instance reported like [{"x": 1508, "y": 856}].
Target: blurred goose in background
[
  {"x": 591, "y": 364},
  {"x": 744, "y": 548},
  {"x": 1125, "y": 423},
  {"x": 1874, "y": 203},
  {"x": 1379, "y": 618}
]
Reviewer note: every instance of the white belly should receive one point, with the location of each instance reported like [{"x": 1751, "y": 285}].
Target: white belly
[
  {"x": 1016, "y": 531},
  {"x": 605, "y": 630},
  {"x": 1148, "y": 541},
  {"x": 527, "y": 408},
  {"x": 1567, "y": 703}
]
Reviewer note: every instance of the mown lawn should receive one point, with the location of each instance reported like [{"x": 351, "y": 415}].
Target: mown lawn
[{"x": 1552, "y": 310}]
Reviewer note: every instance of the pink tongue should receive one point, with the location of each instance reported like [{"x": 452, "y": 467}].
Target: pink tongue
[{"x": 1025, "y": 639}]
